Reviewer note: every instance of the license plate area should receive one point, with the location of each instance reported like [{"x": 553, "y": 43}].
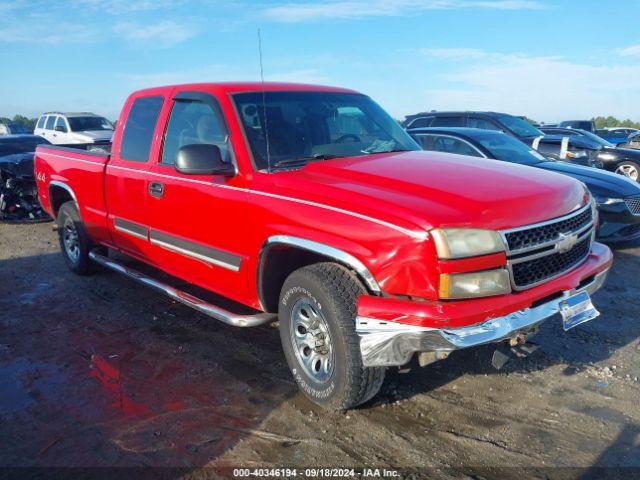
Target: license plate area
[{"x": 577, "y": 309}]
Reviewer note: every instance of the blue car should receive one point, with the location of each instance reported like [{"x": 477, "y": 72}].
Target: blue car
[{"x": 617, "y": 135}]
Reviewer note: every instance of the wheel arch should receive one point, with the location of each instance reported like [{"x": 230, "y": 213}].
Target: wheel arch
[
  {"x": 280, "y": 255},
  {"x": 59, "y": 193}
]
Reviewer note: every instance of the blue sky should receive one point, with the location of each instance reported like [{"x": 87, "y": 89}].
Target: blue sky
[{"x": 548, "y": 59}]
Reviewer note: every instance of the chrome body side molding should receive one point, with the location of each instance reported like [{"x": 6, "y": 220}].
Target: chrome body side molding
[
  {"x": 195, "y": 250},
  {"x": 323, "y": 249},
  {"x": 131, "y": 228},
  {"x": 198, "y": 304}
]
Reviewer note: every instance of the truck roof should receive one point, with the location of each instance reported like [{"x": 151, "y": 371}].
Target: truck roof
[{"x": 237, "y": 87}]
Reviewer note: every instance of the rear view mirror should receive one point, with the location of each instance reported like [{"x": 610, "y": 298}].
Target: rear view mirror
[{"x": 202, "y": 159}]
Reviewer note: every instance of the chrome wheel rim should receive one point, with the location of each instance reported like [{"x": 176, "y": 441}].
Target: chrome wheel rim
[
  {"x": 311, "y": 340},
  {"x": 70, "y": 240},
  {"x": 628, "y": 171}
]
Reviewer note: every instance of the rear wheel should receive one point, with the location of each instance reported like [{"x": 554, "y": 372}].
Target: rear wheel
[
  {"x": 74, "y": 241},
  {"x": 629, "y": 169},
  {"x": 317, "y": 329}
]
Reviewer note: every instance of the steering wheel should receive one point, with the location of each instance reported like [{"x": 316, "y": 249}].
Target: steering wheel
[{"x": 353, "y": 136}]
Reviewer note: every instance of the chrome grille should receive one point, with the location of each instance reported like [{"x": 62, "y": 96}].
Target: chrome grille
[
  {"x": 633, "y": 203},
  {"x": 526, "y": 238},
  {"x": 534, "y": 271},
  {"x": 540, "y": 252}
]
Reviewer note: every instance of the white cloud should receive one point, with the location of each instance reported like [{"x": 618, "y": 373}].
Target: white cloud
[
  {"x": 631, "y": 51},
  {"x": 165, "y": 33},
  {"x": 453, "y": 53},
  {"x": 544, "y": 88},
  {"x": 41, "y": 33},
  {"x": 345, "y": 9},
  {"x": 120, "y": 7}
]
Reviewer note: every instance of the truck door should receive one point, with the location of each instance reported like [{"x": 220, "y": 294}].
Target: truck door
[
  {"x": 198, "y": 222},
  {"x": 126, "y": 179}
]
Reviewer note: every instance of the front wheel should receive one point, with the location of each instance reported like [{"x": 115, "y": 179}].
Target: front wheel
[
  {"x": 629, "y": 169},
  {"x": 317, "y": 328}
]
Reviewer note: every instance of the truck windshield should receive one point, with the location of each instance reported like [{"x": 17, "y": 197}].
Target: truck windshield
[
  {"x": 83, "y": 124},
  {"x": 285, "y": 128}
]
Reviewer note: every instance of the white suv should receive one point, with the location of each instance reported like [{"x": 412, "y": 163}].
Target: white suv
[{"x": 67, "y": 128}]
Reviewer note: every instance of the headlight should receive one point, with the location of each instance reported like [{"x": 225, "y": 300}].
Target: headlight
[
  {"x": 577, "y": 154},
  {"x": 474, "y": 284},
  {"x": 466, "y": 242}
]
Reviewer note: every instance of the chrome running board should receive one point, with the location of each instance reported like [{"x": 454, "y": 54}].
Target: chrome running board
[{"x": 198, "y": 304}]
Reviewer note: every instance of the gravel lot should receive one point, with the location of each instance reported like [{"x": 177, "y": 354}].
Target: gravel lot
[{"x": 97, "y": 371}]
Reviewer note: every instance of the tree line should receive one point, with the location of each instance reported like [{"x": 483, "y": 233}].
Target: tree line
[
  {"x": 29, "y": 123},
  {"x": 607, "y": 122}
]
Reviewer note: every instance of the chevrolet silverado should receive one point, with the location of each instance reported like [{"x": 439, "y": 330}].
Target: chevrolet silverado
[{"x": 312, "y": 206}]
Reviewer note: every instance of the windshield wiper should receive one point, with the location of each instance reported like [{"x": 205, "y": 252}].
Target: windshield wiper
[
  {"x": 394, "y": 150},
  {"x": 303, "y": 160}
]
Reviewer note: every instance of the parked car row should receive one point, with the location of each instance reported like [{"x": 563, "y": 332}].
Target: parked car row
[{"x": 617, "y": 197}]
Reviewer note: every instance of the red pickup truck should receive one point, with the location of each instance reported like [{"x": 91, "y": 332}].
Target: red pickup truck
[{"x": 312, "y": 206}]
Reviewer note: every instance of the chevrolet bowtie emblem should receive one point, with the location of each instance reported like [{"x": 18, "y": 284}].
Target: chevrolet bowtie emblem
[{"x": 566, "y": 241}]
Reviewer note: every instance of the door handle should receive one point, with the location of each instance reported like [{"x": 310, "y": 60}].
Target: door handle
[{"x": 156, "y": 189}]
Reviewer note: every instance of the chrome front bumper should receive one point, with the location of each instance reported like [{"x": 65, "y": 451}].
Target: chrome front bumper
[{"x": 384, "y": 343}]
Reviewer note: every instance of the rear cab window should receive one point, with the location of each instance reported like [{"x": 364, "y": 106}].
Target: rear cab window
[
  {"x": 41, "y": 121},
  {"x": 51, "y": 119},
  {"x": 139, "y": 127}
]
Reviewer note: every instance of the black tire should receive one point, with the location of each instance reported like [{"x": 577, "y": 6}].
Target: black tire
[
  {"x": 333, "y": 291},
  {"x": 630, "y": 168},
  {"x": 69, "y": 223}
]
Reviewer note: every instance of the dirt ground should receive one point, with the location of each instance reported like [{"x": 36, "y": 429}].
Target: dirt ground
[{"x": 98, "y": 371}]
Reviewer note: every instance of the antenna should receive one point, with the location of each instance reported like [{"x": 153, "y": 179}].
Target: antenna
[{"x": 264, "y": 104}]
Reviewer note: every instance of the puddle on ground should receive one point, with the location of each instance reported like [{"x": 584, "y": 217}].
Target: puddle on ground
[{"x": 24, "y": 383}]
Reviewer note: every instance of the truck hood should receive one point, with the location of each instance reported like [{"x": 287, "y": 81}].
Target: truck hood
[{"x": 431, "y": 189}]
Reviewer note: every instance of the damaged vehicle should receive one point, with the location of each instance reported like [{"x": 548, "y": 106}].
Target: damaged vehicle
[
  {"x": 18, "y": 191},
  {"x": 312, "y": 206}
]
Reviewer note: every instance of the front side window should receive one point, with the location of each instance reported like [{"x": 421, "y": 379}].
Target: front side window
[
  {"x": 50, "y": 122},
  {"x": 60, "y": 123},
  {"x": 41, "y": 122},
  {"x": 285, "y": 128},
  {"x": 139, "y": 128},
  {"x": 84, "y": 124},
  {"x": 194, "y": 122}
]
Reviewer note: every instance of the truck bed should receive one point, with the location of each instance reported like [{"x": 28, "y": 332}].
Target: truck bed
[{"x": 75, "y": 172}]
